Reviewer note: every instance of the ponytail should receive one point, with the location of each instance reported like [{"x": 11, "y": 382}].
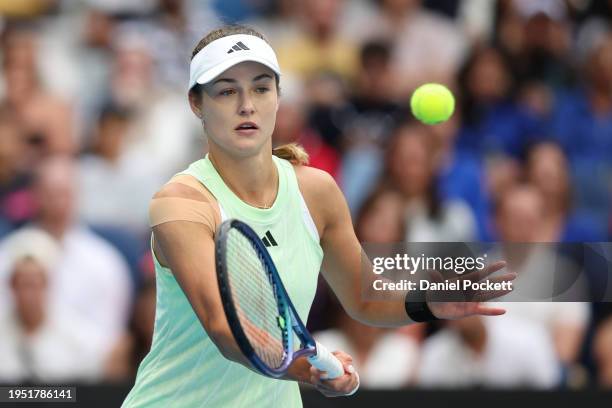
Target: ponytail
[{"x": 292, "y": 152}]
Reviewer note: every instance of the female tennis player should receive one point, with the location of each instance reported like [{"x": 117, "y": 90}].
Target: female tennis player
[{"x": 194, "y": 359}]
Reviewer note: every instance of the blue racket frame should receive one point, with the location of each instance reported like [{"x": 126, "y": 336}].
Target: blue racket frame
[{"x": 285, "y": 306}]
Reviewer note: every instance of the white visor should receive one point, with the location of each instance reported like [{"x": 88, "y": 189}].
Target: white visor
[{"x": 222, "y": 54}]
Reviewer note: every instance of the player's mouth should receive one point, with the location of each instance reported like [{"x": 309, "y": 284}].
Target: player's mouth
[{"x": 246, "y": 128}]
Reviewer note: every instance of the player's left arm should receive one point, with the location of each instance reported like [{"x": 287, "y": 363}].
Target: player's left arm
[{"x": 344, "y": 260}]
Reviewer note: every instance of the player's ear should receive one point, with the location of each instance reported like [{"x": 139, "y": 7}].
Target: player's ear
[{"x": 195, "y": 102}]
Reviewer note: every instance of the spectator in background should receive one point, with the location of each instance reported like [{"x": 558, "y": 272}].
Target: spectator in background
[
  {"x": 26, "y": 8},
  {"x": 603, "y": 353},
  {"x": 143, "y": 318},
  {"x": 106, "y": 172},
  {"x": 328, "y": 107},
  {"x": 278, "y": 21},
  {"x": 374, "y": 111},
  {"x": 381, "y": 218},
  {"x": 492, "y": 122},
  {"x": 177, "y": 25},
  {"x": 384, "y": 358},
  {"x": 126, "y": 356},
  {"x": 39, "y": 342},
  {"x": 461, "y": 174},
  {"x": 291, "y": 126},
  {"x": 16, "y": 201},
  {"x": 158, "y": 111},
  {"x": 93, "y": 56},
  {"x": 547, "y": 169},
  {"x": 47, "y": 121},
  {"x": 537, "y": 35},
  {"x": 427, "y": 47},
  {"x": 411, "y": 169},
  {"x": 125, "y": 8},
  {"x": 372, "y": 116},
  {"x": 582, "y": 119},
  {"x": 494, "y": 353},
  {"x": 582, "y": 123},
  {"x": 91, "y": 278},
  {"x": 319, "y": 47},
  {"x": 519, "y": 220}
]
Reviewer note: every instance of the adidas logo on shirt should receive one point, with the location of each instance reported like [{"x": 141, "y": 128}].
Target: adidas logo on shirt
[
  {"x": 239, "y": 46},
  {"x": 268, "y": 240}
]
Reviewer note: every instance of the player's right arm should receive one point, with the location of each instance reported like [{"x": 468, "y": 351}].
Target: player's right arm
[
  {"x": 187, "y": 248},
  {"x": 183, "y": 241}
]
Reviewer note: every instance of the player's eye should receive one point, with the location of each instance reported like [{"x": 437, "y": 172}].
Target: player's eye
[
  {"x": 262, "y": 89},
  {"x": 227, "y": 92}
]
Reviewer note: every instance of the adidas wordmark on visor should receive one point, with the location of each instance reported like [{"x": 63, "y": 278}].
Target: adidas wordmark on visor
[{"x": 222, "y": 54}]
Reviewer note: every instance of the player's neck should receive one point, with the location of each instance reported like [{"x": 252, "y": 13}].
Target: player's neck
[{"x": 253, "y": 179}]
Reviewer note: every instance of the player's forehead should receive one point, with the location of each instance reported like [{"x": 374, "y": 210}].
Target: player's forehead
[{"x": 247, "y": 71}]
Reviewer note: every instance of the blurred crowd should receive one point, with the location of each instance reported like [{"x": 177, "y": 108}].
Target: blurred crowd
[{"x": 94, "y": 119}]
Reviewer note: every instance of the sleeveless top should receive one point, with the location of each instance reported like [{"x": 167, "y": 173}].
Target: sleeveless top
[{"x": 184, "y": 368}]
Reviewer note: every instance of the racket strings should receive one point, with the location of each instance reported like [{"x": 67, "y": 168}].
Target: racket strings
[
  {"x": 257, "y": 315},
  {"x": 254, "y": 299}
]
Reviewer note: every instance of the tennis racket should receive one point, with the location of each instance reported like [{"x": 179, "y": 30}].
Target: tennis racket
[{"x": 260, "y": 314}]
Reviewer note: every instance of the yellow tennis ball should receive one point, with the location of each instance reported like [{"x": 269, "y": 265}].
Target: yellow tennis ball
[{"x": 432, "y": 103}]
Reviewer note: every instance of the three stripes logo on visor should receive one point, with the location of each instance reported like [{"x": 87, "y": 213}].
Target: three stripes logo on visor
[
  {"x": 239, "y": 46},
  {"x": 269, "y": 240}
]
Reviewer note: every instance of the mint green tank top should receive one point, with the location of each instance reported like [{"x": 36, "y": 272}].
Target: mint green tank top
[{"x": 184, "y": 368}]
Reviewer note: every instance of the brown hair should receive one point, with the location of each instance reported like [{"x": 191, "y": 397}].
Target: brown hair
[{"x": 292, "y": 151}]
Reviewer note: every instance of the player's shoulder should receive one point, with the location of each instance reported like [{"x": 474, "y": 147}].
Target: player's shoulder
[
  {"x": 184, "y": 198},
  {"x": 317, "y": 180},
  {"x": 320, "y": 191},
  {"x": 184, "y": 186}
]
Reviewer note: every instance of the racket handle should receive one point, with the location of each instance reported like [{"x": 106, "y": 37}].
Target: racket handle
[{"x": 326, "y": 361}]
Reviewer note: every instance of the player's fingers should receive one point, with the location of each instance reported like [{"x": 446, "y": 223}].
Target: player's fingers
[
  {"x": 339, "y": 386},
  {"x": 346, "y": 360},
  {"x": 349, "y": 368},
  {"x": 508, "y": 276},
  {"x": 338, "y": 383},
  {"x": 348, "y": 385},
  {"x": 483, "y": 273},
  {"x": 490, "y": 311},
  {"x": 484, "y": 295},
  {"x": 316, "y": 374},
  {"x": 342, "y": 356}
]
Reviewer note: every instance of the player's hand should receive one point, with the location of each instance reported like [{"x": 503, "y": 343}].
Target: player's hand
[
  {"x": 472, "y": 305},
  {"x": 343, "y": 385}
]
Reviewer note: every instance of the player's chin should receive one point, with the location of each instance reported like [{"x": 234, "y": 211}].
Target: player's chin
[{"x": 247, "y": 146}]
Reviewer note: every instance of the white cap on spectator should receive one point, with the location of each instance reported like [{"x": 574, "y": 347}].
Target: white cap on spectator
[
  {"x": 223, "y": 53},
  {"x": 554, "y": 9},
  {"x": 31, "y": 242}
]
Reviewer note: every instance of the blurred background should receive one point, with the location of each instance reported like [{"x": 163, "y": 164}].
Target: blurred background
[{"x": 94, "y": 119}]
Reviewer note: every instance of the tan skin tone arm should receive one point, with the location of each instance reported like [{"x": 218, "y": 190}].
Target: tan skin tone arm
[{"x": 344, "y": 259}]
